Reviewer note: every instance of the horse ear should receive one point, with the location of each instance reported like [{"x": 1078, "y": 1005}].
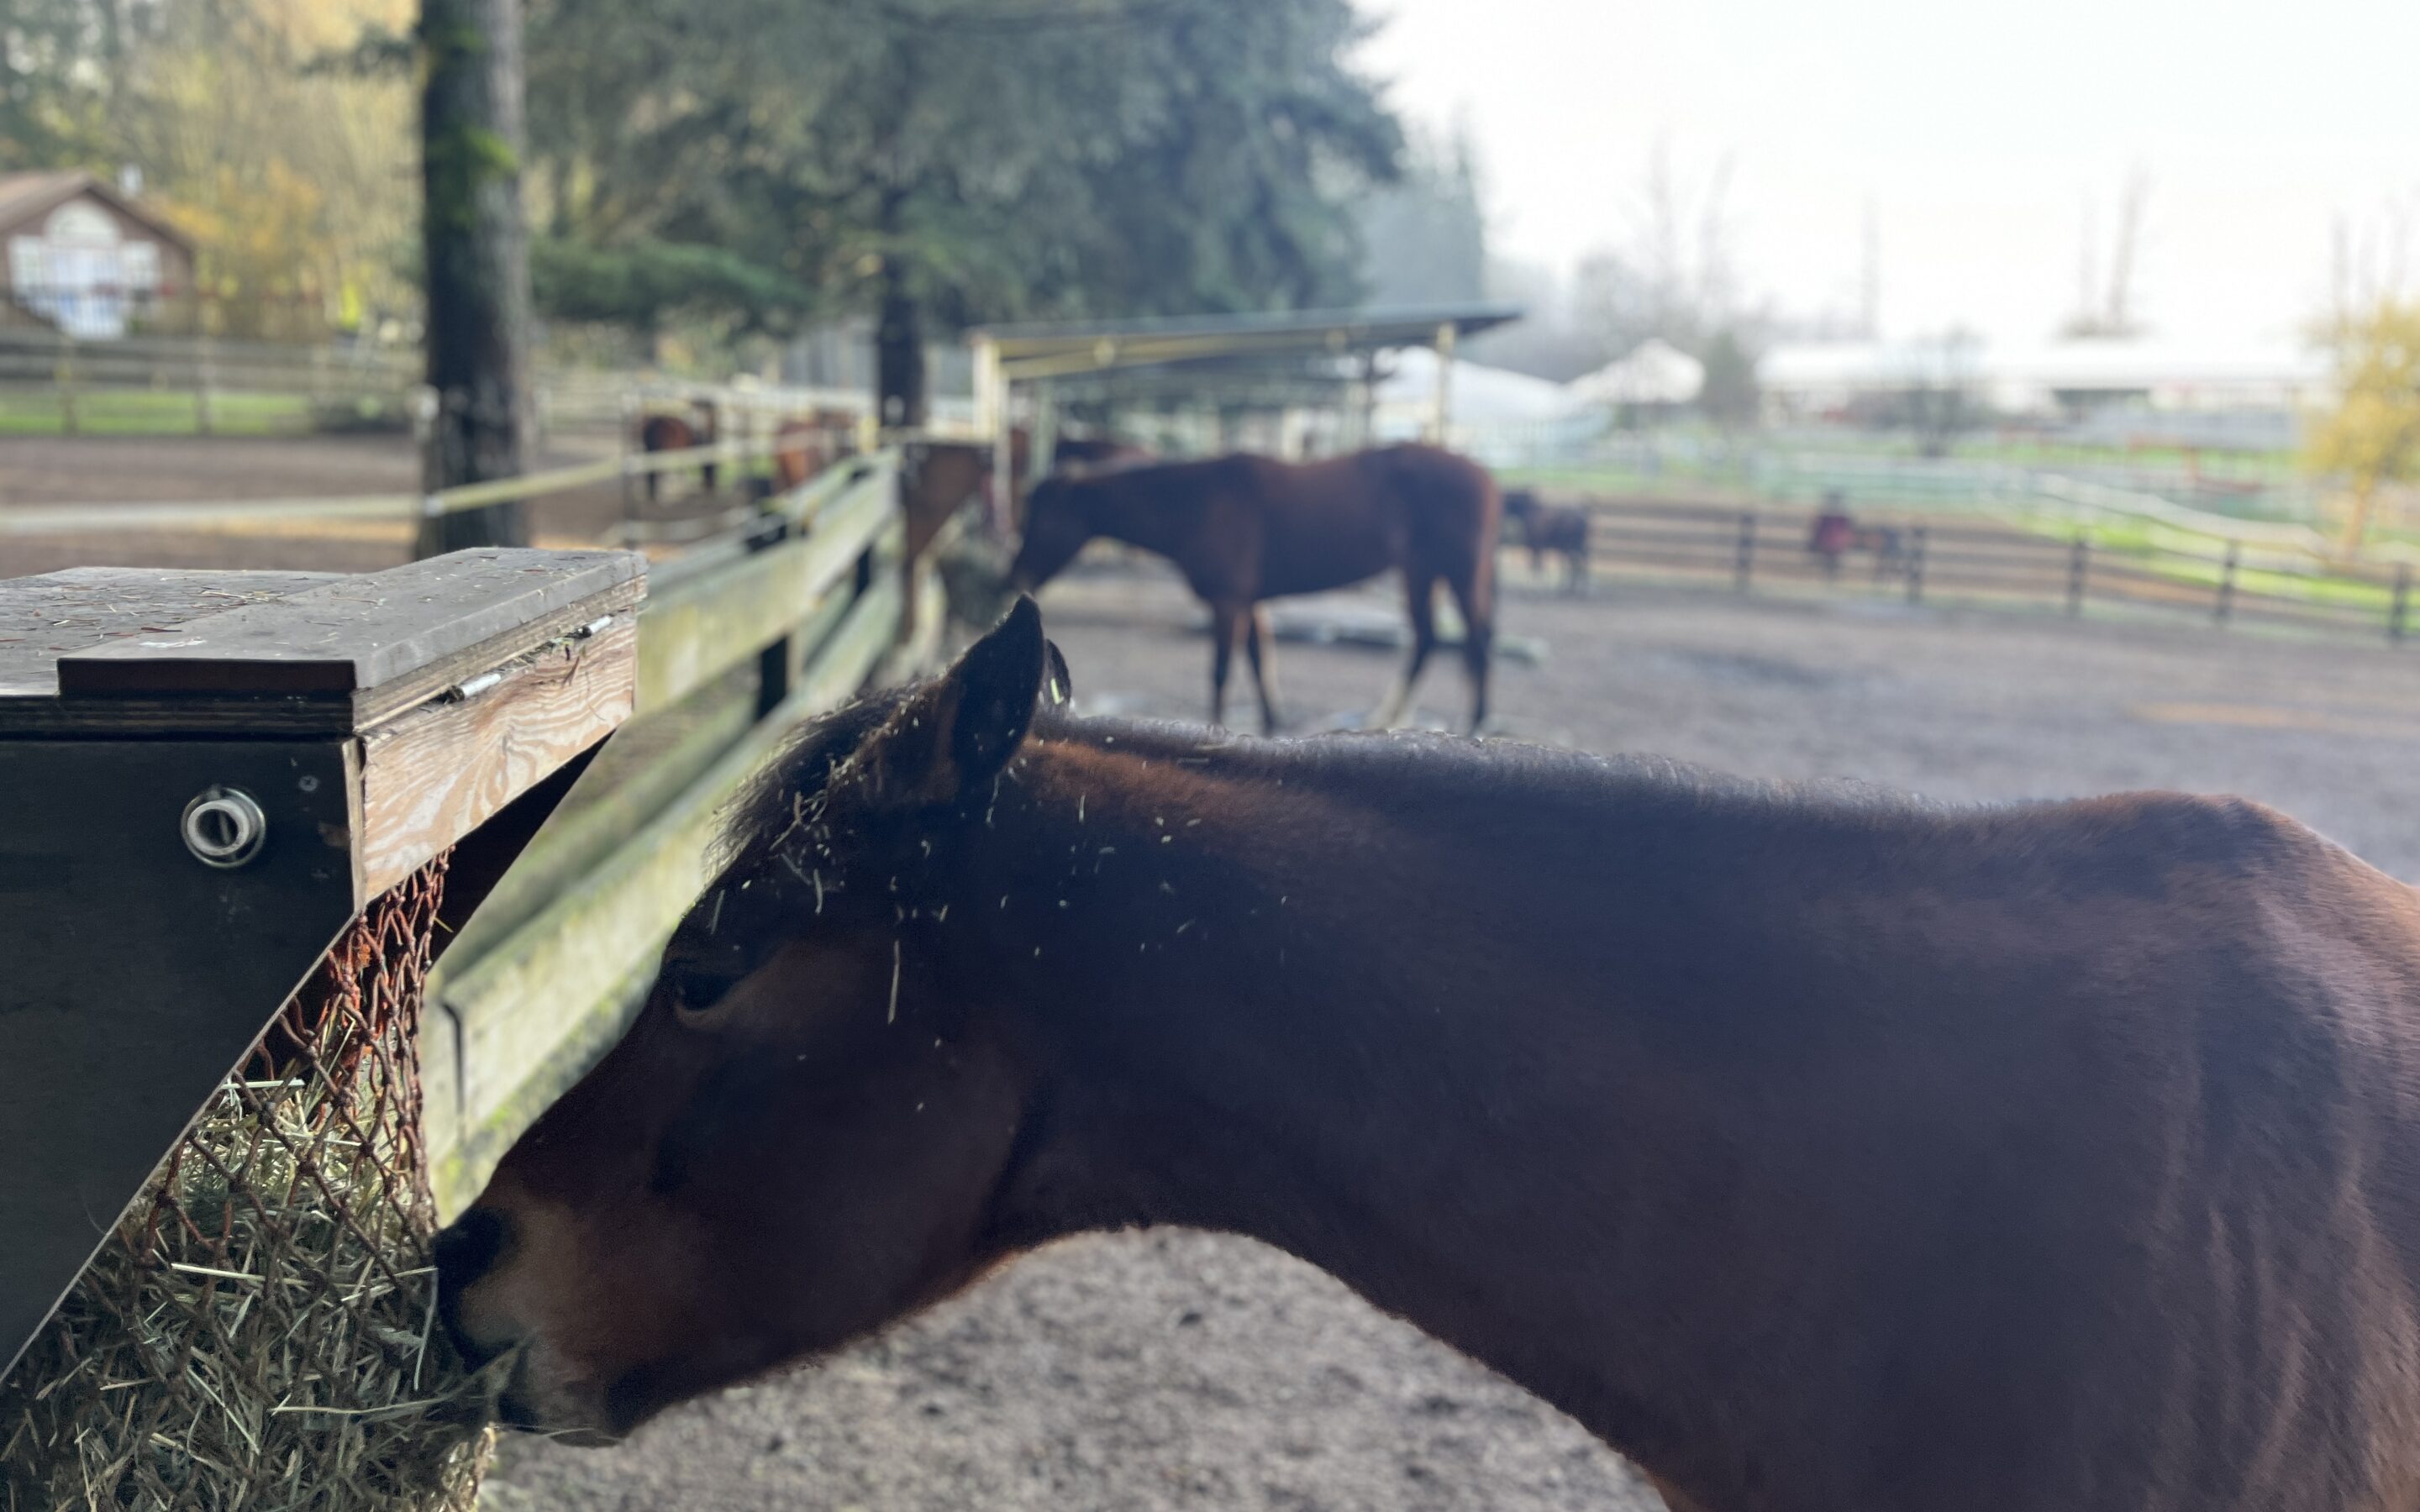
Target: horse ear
[
  {"x": 1058, "y": 683},
  {"x": 952, "y": 736}
]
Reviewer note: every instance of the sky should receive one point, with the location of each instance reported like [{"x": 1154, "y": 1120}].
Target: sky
[{"x": 1977, "y": 133}]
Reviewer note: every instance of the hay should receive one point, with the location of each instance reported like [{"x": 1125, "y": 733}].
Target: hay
[{"x": 258, "y": 1332}]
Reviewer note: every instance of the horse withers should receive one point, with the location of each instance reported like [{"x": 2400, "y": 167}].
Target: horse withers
[
  {"x": 1820, "y": 1151},
  {"x": 1247, "y": 528}
]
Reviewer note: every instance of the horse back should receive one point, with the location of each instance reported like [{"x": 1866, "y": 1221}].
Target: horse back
[
  {"x": 1345, "y": 519},
  {"x": 2061, "y": 1157},
  {"x": 2139, "y": 1147}
]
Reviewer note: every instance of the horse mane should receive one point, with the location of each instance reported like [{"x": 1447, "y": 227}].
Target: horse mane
[
  {"x": 767, "y": 809},
  {"x": 1434, "y": 768},
  {"x": 1420, "y": 767}
]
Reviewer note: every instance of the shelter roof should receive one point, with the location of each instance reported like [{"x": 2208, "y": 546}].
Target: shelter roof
[{"x": 1028, "y": 352}]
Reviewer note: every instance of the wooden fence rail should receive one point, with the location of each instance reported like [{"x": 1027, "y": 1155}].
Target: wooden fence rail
[
  {"x": 80, "y": 379},
  {"x": 1977, "y": 562},
  {"x": 737, "y": 646},
  {"x": 82, "y": 518}
]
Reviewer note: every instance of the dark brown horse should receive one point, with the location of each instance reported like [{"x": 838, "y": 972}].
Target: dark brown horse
[
  {"x": 1068, "y": 454},
  {"x": 1246, "y": 528},
  {"x": 678, "y": 433},
  {"x": 1821, "y": 1151},
  {"x": 1561, "y": 530}
]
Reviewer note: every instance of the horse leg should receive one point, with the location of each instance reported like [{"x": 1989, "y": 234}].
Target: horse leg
[
  {"x": 1260, "y": 644},
  {"x": 1421, "y": 603},
  {"x": 1470, "y": 592},
  {"x": 1228, "y": 621}
]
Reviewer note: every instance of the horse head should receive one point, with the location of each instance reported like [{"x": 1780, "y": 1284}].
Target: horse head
[
  {"x": 666, "y": 1227},
  {"x": 1057, "y": 526}
]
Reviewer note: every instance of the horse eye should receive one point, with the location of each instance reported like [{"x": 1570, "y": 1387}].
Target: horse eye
[{"x": 695, "y": 992}]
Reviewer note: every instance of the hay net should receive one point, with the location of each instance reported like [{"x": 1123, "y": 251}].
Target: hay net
[{"x": 258, "y": 1331}]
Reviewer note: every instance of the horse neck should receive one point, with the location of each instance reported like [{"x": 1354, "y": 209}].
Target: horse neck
[
  {"x": 1273, "y": 1012},
  {"x": 1478, "y": 1044},
  {"x": 1156, "y": 518},
  {"x": 1136, "y": 916}
]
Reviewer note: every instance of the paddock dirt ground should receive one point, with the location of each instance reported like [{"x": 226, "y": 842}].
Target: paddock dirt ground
[{"x": 1167, "y": 1369}]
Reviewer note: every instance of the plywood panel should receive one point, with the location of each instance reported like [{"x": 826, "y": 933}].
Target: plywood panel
[{"x": 433, "y": 775}]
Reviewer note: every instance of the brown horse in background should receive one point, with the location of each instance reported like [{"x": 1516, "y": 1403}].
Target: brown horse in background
[
  {"x": 801, "y": 449},
  {"x": 1247, "y": 528},
  {"x": 1068, "y": 454},
  {"x": 805, "y": 445},
  {"x": 678, "y": 433},
  {"x": 1818, "y": 1151}
]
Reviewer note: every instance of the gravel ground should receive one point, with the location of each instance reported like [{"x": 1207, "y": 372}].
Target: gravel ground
[{"x": 1164, "y": 1369}]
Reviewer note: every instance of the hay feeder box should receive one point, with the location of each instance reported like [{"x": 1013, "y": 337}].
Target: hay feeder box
[{"x": 240, "y": 815}]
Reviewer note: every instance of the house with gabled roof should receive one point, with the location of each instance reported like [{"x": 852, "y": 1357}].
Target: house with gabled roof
[{"x": 77, "y": 254}]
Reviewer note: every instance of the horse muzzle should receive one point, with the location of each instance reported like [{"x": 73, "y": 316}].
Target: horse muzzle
[{"x": 535, "y": 1397}]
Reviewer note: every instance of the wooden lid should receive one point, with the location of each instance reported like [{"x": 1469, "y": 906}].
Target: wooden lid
[{"x": 114, "y": 650}]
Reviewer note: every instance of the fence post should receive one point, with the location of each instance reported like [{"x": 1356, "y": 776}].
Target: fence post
[
  {"x": 2226, "y": 608},
  {"x": 630, "y": 478},
  {"x": 2402, "y": 600},
  {"x": 906, "y": 485},
  {"x": 206, "y": 379},
  {"x": 1915, "y": 566},
  {"x": 777, "y": 663},
  {"x": 1743, "y": 567},
  {"x": 66, "y": 377},
  {"x": 2079, "y": 558}
]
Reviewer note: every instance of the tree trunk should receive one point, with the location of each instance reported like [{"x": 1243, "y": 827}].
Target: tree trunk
[
  {"x": 899, "y": 351},
  {"x": 477, "y": 248}
]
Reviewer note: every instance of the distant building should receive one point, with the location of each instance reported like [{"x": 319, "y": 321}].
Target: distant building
[
  {"x": 1656, "y": 379},
  {"x": 2117, "y": 392},
  {"x": 82, "y": 257}
]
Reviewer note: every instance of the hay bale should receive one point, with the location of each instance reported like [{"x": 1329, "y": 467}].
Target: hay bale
[{"x": 258, "y": 1332}]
